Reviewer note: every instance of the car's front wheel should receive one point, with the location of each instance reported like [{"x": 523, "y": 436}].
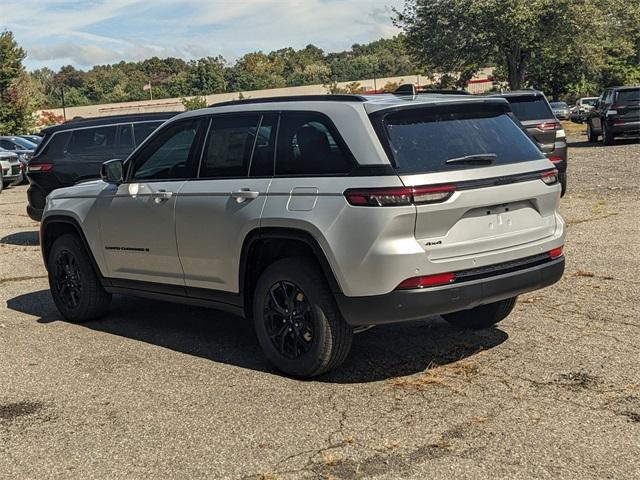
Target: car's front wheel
[
  {"x": 484, "y": 316},
  {"x": 74, "y": 285},
  {"x": 297, "y": 321}
]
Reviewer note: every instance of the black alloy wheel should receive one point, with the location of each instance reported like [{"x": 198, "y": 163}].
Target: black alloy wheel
[
  {"x": 289, "y": 319},
  {"x": 68, "y": 279}
]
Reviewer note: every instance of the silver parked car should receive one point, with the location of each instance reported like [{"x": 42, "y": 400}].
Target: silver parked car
[{"x": 316, "y": 216}]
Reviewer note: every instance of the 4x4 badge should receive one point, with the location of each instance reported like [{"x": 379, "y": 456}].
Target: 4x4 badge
[{"x": 428, "y": 244}]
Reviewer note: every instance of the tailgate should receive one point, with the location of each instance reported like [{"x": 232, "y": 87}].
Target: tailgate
[{"x": 490, "y": 171}]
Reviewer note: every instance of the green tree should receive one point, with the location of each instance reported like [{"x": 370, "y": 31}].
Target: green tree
[
  {"x": 194, "y": 103},
  {"x": 17, "y": 102},
  {"x": 461, "y": 36},
  {"x": 206, "y": 76}
]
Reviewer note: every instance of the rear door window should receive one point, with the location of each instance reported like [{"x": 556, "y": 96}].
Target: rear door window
[
  {"x": 530, "y": 107},
  {"x": 421, "y": 140},
  {"x": 92, "y": 140},
  {"x": 125, "y": 136},
  {"x": 229, "y": 146}
]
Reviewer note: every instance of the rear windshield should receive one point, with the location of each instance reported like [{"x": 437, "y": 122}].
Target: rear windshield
[
  {"x": 422, "y": 140},
  {"x": 629, "y": 96},
  {"x": 530, "y": 107}
]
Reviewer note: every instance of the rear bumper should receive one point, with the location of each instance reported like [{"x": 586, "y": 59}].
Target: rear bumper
[
  {"x": 405, "y": 305},
  {"x": 627, "y": 128},
  {"x": 34, "y": 213}
]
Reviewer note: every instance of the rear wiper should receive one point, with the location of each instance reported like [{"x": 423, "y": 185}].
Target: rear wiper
[{"x": 478, "y": 159}]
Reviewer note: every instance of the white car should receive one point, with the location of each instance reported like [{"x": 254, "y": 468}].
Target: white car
[
  {"x": 316, "y": 216},
  {"x": 11, "y": 170}
]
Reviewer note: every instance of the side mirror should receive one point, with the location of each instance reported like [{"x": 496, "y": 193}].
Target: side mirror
[{"x": 111, "y": 171}]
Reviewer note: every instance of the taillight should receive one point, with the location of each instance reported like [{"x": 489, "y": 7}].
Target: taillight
[
  {"x": 550, "y": 177},
  {"x": 548, "y": 126},
  {"x": 555, "y": 253},
  {"x": 39, "y": 167},
  {"x": 427, "y": 281},
  {"x": 555, "y": 159},
  {"x": 398, "y": 196}
]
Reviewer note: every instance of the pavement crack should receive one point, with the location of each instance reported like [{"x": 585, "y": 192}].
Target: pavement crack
[{"x": 21, "y": 279}]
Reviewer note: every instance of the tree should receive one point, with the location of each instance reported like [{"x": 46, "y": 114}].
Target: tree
[
  {"x": 194, "y": 103},
  {"x": 16, "y": 89},
  {"x": 461, "y": 36}
]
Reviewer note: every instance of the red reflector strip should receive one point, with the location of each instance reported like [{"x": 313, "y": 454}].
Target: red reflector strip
[
  {"x": 556, "y": 253},
  {"x": 427, "y": 281},
  {"x": 555, "y": 159}
]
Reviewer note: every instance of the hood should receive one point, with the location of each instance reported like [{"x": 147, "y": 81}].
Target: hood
[{"x": 84, "y": 189}]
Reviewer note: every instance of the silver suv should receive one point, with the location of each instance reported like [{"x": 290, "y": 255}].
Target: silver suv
[{"x": 316, "y": 216}]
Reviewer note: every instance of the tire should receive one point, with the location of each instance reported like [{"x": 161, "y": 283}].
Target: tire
[
  {"x": 74, "y": 285},
  {"x": 1, "y": 181},
  {"x": 316, "y": 340},
  {"x": 591, "y": 135},
  {"x": 607, "y": 136},
  {"x": 563, "y": 184},
  {"x": 484, "y": 316}
]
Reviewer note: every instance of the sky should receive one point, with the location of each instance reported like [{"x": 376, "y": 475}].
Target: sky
[{"x": 84, "y": 33}]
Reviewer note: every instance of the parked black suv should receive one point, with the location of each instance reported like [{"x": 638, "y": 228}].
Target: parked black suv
[
  {"x": 534, "y": 112},
  {"x": 75, "y": 150},
  {"x": 617, "y": 113}
]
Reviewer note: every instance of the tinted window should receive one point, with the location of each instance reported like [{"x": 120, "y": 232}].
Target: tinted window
[
  {"x": 125, "y": 136},
  {"x": 530, "y": 107},
  {"x": 23, "y": 144},
  {"x": 143, "y": 130},
  {"x": 308, "y": 145},
  {"x": 629, "y": 96},
  {"x": 422, "y": 140},
  {"x": 7, "y": 145},
  {"x": 92, "y": 140},
  {"x": 264, "y": 150},
  {"x": 229, "y": 146},
  {"x": 166, "y": 155},
  {"x": 57, "y": 145}
]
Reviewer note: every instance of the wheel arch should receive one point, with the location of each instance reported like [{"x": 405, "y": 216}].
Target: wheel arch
[
  {"x": 278, "y": 243},
  {"x": 53, "y": 227}
]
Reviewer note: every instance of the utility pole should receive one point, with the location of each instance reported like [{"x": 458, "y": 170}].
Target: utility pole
[{"x": 64, "y": 110}]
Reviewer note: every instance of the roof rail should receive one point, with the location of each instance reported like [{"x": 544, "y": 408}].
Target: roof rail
[
  {"x": 410, "y": 89},
  {"x": 293, "y": 98}
]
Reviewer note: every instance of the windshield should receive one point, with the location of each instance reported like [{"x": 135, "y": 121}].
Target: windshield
[
  {"x": 25, "y": 144},
  {"x": 559, "y": 105},
  {"x": 590, "y": 101},
  {"x": 422, "y": 140},
  {"x": 530, "y": 107}
]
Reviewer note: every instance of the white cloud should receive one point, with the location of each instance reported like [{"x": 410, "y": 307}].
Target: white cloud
[{"x": 88, "y": 32}]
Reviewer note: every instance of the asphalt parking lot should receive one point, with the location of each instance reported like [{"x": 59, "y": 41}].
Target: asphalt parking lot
[{"x": 164, "y": 391}]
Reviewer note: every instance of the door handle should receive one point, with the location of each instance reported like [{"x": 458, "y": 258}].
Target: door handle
[
  {"x": 244, "y": 194},
  {"x": 161, "y": 195}
]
